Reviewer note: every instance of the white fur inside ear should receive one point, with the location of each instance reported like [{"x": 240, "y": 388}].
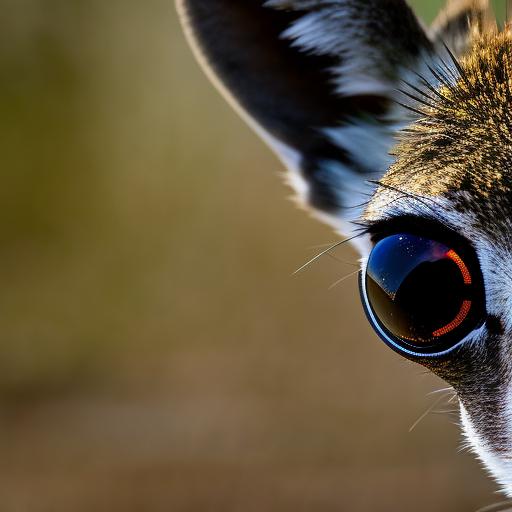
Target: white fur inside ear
[
  {"x": 318, "y": 33},
  {"x": 338, "y": 29},
  {"x": 367, "y": 143},
  {"x": 349, "y": 186},
  {"x": 499, "y": 467}
]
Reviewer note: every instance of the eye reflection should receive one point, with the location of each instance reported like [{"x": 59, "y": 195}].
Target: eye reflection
[
  {"x": 396, "y": 257},
  {"x": 421, "y": 291}
]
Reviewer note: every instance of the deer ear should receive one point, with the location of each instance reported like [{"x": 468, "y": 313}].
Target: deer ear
[
  {"x": 317, "y": 79},
  {"x": 460, "y": 21}
]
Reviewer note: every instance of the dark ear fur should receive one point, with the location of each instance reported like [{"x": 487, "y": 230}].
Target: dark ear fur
[
  {"x": 318, "y": 81},
  {"x": 287, "y": 92}
]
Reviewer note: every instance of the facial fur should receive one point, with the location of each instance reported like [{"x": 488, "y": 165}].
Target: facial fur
[
  {"x": 454, "y": 166},
  {"x": 330, "y": 85}
]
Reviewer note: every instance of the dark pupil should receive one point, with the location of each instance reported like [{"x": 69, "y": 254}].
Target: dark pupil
[{"x": 418, "y": 288}]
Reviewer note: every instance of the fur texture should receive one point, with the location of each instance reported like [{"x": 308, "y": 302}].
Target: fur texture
[
  {"x": 315, "y": 77},
  {"x": 330, "y": 85},
  {"x": 454, "y": 166}
]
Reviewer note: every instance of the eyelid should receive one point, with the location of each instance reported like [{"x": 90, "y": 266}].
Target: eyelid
[{"x": 427, "y": 227}]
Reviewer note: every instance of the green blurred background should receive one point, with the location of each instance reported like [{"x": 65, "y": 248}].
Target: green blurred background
[{"x": 156, "y": 354}]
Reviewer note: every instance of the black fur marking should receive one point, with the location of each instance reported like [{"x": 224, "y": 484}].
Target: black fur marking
[
  {"x": 288, "y": 92},
  {"x": 494, "y": 325}
]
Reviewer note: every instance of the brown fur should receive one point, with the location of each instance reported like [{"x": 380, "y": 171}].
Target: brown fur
[{"x": 463, "y": 140}]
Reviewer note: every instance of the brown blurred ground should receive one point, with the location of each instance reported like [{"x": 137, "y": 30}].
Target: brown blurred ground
[{"x": 156, "y": 353}]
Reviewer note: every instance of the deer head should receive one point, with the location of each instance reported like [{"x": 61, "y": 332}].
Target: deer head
[{"x": 400, "y": 137}]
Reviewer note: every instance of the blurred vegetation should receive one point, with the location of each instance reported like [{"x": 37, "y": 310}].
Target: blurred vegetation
[{"x": 156, "y": 354}]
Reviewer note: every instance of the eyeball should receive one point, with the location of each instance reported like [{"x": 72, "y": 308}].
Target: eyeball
[{"x": 422, "y": 296}]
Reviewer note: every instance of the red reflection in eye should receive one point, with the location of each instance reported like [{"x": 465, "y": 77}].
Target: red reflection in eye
[
  {"x": 466, "y": 305},
  {"x": 461, "y": 316},
  {"x": 462, "y": 266}
]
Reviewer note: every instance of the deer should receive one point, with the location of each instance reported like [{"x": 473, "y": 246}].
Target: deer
[{"x": 398, "y": 135}]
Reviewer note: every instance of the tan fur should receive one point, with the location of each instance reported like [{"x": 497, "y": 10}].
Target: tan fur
[{"x": 463, "y": 141}]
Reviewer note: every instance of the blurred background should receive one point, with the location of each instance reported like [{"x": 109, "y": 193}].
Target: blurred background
[{"x": 156, "y": 354}]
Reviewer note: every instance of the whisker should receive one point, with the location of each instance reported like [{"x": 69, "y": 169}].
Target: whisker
[
  {"x": 419, "y": 91},
  {"x": 339, "y": 260},
  {"x": 416, "y": 98},
  {"x": 454, "y": 396},
  {"x": 448, "y": 68},
  {"x": 497, "y": 507},
  {"x": 440, "y": 76},
  {"x": 457, "y": 65},
  {"x": 328, "y": 250},
  {"x": 339, "y": 281},
  {"x": 445, "y": 411},
  {"x": 321, "y": 246},
  {"x": 411, "y": 109},
  {"x": 431, "y": 88},
  {"x": 427, "y": 412},
  {"x": 332, "y": 256},
  {"x": 435, "y": 392}
]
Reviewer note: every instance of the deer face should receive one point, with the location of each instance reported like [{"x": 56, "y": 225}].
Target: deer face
[
  {"x": 401, "y": 139},
  {"x": 451, "y": 183}
]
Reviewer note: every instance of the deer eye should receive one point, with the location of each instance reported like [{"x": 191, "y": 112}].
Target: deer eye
[{"x": 422, "y": 296}]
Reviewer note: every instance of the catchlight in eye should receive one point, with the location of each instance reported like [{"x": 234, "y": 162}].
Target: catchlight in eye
[{"x": 421, "y": 295}]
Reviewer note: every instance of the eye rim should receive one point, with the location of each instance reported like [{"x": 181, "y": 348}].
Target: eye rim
[{"x": 425, "y": 228}]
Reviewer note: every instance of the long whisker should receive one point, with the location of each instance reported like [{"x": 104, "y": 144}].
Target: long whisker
[
  {"x": 497, "y": 507},
  {"x": 327, "y": 251},
  {"x": 454, "y": 396},
  {"x": 427, "y": 412},
  {"x": 442, "y": 390},
  {"x": 321, "y": 246},
  {"x": 339, "y": 260},
  {"x": 332, "y": 256},
  {"x": 339, "y": 281}
]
